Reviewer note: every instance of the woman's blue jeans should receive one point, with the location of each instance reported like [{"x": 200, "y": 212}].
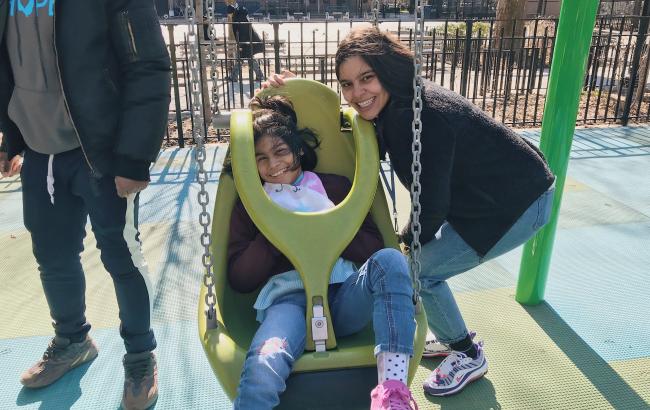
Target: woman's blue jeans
[
  {"x": 381, "y": 290},
  {"x": 448, "y": 255}
]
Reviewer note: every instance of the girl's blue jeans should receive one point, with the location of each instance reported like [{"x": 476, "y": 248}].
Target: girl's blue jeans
[
  {"x": 448, "y": 255},
  {"x": 380, "y": 290}
]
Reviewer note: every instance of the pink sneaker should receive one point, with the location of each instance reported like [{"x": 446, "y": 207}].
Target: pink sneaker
[{"x": 392, "y": 395}]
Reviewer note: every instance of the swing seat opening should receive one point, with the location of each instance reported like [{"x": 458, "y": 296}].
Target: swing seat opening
[{"x": 342, "y": 376}]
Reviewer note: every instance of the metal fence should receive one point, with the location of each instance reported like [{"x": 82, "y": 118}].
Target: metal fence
[
  {"x": 436, "y": 9},
  {"x": 506, "y": 76},
  {"x": 356, "y": 8}
]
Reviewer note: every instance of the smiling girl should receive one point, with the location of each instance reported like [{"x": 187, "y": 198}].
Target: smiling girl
[{"x": 379, "y": 290}]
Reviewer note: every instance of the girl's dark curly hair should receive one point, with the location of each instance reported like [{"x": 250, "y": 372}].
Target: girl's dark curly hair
[{"x": 274, "y": 116}]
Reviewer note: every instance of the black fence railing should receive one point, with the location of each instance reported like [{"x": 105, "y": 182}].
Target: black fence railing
[
  {"x": 434, "y": 9},
  {"x": 505, "y": 75},
  {"x": 453, "y": 9}
]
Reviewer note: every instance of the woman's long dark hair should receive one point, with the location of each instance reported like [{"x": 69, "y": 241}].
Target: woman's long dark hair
[
  {"x": 274, "y": 116},
  {"x": 391, "y": 61}
]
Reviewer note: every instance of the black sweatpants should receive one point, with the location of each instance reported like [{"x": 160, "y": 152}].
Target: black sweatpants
[{"x": 56, "y": 220}]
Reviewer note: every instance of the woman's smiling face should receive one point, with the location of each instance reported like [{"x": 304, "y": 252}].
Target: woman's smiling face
[{"x": 361, "y": 88}]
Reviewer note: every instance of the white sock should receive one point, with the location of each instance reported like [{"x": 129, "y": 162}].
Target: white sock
[{"x": 392, "y": 366}]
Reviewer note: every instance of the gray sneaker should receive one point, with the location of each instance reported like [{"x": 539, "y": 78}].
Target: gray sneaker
[
  {"x": 59, "y": 357},
  {"x": 140, "y": 381}
]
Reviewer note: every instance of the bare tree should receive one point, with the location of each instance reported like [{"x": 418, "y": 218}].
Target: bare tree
[
  {"x": 636, "y": 11},
  {"x": 642, "y": 68},
  {"x": 508, "y": 12}
]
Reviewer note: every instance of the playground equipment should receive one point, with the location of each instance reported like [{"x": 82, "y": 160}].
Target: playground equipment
[
  {"x": 351, "y": 152},
  {"x": 224, "y": 338},
  {"x": 225, "y": 331},
  {"x": 577, "y": 20}
]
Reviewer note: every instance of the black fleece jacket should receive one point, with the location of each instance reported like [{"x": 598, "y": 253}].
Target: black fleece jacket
[
  {"x": 115, "y": 71},
  {"x": 477, "y": 174}
]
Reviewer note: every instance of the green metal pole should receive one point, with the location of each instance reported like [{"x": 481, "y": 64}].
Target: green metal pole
[{"x": 576, "y": 25}]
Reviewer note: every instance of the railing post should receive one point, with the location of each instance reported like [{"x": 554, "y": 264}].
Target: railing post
[
  {"x": 207, "y": 112},
  {"x": 323, "y": 67},
  {"x": 577, "y": 19},
  {"x": 326, "y": 57},
  {"x": 634, "y": 70},
  {"x": 466, "y": 58},
  {"x": 201, "y": 31},
  {"x": 177, "y": 95},
  {"x": 276, "y": 46}
]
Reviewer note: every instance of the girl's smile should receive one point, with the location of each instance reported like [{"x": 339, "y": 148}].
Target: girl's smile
[{"x": 275, "y": 161}]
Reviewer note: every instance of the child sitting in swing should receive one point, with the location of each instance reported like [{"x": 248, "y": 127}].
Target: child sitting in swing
[{"x": 380, "y": 289}]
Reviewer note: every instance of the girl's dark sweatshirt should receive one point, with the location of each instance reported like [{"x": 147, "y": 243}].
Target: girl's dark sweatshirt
[{"x": 252, "y": 259}]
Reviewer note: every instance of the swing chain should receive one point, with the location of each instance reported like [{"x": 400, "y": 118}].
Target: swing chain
[
  {"x": 416, "y": 148},
  {"x": 213, "y": 58},
  {"x": 202, "y": 178}
]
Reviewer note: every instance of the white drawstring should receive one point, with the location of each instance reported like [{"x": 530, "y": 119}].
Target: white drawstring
[{"x": 50, "y": 178}]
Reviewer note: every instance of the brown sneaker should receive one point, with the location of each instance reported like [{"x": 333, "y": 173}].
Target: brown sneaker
[
  {"x": 59, "y": 357},
  {"x": 140, "y": 381}
]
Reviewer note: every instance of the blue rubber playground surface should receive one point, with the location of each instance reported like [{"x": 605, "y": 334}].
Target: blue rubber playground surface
[{"x": 585, "y": 347}]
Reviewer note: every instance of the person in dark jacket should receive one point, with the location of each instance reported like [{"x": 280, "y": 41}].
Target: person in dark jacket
[
  {"x": 248, "y": 41},
  {"x": 84, "y": 92},
  {"x": 484, "y": 189},
  {"x": 380, "y": 290}
]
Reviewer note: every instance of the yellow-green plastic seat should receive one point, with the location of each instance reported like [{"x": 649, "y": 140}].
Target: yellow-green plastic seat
[{"x": 312, "y": 242}]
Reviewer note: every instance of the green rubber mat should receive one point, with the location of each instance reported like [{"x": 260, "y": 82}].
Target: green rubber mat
[
  {"x": 537, "y": 362},
  {"x": 586, "y": 348},
  {"x": 22, "y": 294},
  {"x": 184, "y": 377}
]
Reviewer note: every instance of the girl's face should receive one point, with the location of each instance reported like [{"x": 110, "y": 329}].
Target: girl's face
[
  {"x": 361, "y": 88},
  {"x": 275, "y": 161}
]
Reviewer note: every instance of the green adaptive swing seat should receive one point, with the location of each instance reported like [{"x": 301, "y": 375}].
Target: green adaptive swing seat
[{"x": 311, "y": 241}]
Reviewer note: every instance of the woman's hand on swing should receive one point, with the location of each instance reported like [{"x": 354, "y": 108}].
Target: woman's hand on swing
[{"x": 276, "y": 80}]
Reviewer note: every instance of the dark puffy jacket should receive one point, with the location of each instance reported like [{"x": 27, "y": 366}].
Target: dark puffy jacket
[{"x": 115, "y": 71}]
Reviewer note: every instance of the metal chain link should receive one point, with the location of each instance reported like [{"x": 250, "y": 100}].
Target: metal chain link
[
  {"x": 375, "y": 13},
  {"x": 416, "y": 147},
  {"x": 202, "y": 177},
  {"x": 213, "y": 58}
]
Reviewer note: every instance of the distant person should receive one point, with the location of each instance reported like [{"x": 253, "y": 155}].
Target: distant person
[{"x": 248, "y": 41}]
